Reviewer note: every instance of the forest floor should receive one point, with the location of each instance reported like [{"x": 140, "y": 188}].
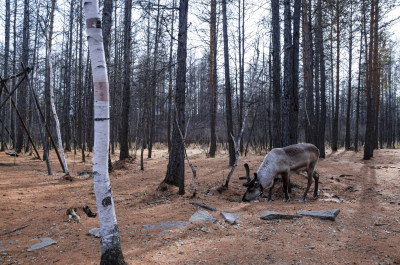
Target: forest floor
[{"x": 366, "y": 231}]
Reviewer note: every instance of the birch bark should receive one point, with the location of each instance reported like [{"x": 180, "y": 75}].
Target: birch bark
[
  {"x": 111, "y": 252},
  {"x": 53, "y": 107}
]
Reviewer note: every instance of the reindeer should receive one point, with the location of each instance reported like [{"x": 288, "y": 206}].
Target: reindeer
[{"x": 280, "y": 161}]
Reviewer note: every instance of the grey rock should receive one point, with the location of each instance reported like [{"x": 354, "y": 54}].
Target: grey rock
[
  {"x": 119, "y": 199},
  {"x": 230, "y": 217},
  {"x": 271, "y": 215},
  {"x": 166, "y": 225},
  {"x": 202, "y": 216},
  {"x": 44, "y": 242},
  {"x": 324, "y": 215},
  {"x": 94, "y": 232}
]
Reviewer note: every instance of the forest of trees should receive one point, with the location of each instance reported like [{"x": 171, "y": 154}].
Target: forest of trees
[
  {"x": 204, "y": 72},
  {"x": 325, "y": 72}
]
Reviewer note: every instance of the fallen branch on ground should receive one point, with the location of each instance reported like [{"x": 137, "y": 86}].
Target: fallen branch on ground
[
  {"x": 204, "y": 206},
  {"x": 13, "y": 230}
]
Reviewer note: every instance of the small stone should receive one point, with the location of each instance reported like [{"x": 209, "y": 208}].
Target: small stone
[
  {"x": 271, "y": 215},
  {"x": 324, "y": 215},
  {"x": 230, "y": 217},
  {"x": 44, "y": 242},
  {"x": 94, "y": 232},
  {"x": 202, "y": 216}
]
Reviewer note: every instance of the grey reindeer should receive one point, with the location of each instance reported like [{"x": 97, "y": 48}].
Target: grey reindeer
[{"x": 280, "y": 161}]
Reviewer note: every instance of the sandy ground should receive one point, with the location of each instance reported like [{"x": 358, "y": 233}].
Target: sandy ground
[{"x": 366, "y": 231}]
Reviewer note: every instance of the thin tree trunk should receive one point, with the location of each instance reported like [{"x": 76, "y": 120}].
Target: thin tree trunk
[
  {"x": 288, "y": 74},
  {"x": 176, "y": 165},
  {"x": 111, "y": 252},
  {"x": 308, "y": 72},
  {"x": 53, "y": 107},
  {"x": 212, "y": 79},
  {"x": 170, "y": 77},
  {"x": 276, "y": 75},
  {"x": 320, "y": 50},
  {"x": 81, "y": 114},
  {"x": 21, "y": 99},
  {"x": 376, "y": 74},
  {"x": 5, "y": 73},
  {"x": 124, "y": 130},
  {"x": 335, "y": 127},
  {"x": 68, "y": 82},
  {"x": 228, "y": 92},
  {"x": 369, "y": 129},
  {"x": 154, "y": 83},
  {"x": 294, "y": 105},
  {"x": 348, "y": 113}
]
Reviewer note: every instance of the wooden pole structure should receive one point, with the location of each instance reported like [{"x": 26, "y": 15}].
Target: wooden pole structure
[
  {"x": 20, "y": 118},
  {"x": 48, "y": 131},
  {"x": 12, "y": 92},
  {"x": 45, "y": 150}
]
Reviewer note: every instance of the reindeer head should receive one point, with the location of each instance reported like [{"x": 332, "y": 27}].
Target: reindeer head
[{"x": 254, "y": 188}]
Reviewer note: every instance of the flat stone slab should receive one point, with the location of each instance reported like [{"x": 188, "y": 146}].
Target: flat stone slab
[
  {"x": 94, "y": 232},
  {"x": 166, "y": 225},
  {"x": 271, "y": 215},
  {"x": 324, "y": 215},
  {"x": 230, "y": 217},
  {"x": 44, "y": 242},
  {"x": 202, "y": 216}
]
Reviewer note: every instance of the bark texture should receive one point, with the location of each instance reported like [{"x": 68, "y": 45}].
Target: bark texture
[
  {"x": 111, "y": 252},
  {"x": 228, "y": 91},
  {"x": 176, "y": 165}
]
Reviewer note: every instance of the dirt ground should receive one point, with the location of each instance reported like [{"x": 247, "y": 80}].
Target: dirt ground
[{"x": 366, "y": 231}]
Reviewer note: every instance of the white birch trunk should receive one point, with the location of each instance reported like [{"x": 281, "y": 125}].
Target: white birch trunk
[
  {"x": 53, "y": 107},
  {"x": 111, "y": 252}
]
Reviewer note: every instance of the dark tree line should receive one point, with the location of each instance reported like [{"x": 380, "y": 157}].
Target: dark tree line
[{"x": 324, "y": 72}]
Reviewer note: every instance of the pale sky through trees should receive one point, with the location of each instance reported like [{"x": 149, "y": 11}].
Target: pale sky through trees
[{"x": 257, "y": 28}]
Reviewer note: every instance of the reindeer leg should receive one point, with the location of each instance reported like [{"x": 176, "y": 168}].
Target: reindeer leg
[
  {"x": 309, "y": 175},
  {"x": 286, "y": 184},
  {"x": 270, "y": 192},
  {"x": 316, "y": 179}
]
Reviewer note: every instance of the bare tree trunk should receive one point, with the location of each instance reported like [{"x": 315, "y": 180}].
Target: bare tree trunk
[
  {"x": 111, "y": 252},
  {"x": 308, "y": 72},
  {"x": 124, "y": 130},
  {"x": 376, "y": 74},
  {"x": 212, "y": 79},
  {"x": 320, "y": 51},
  {"x": 288, "y": 74},
  {"x": 53, "y": 107},
  {"x": 294, "y": 105},
  {"x": 348, "y": 113},
  {"x": 369, "y": 130},
  {"x": 154, "y": 82},
  {"x": 5, "y": 73},
  {"x": 170, "y": 77},
  {"x": 21, "y": 99},
  {"x": 276, "y": 75},
  {"x": 335, "y": 126},
  {"x": 176, "y": 165},
  {"x": 228, "y": 93},
  {"x": 68, "y": 82},
  {"x": 357, "y": 124}
]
